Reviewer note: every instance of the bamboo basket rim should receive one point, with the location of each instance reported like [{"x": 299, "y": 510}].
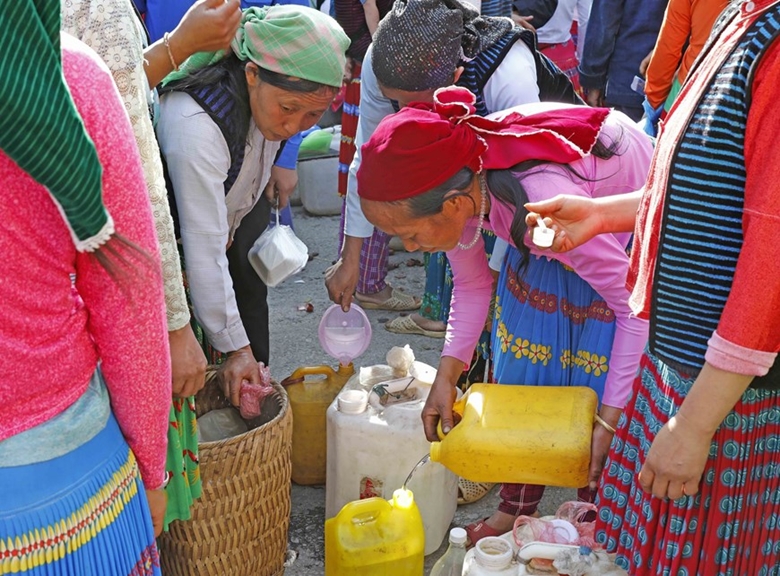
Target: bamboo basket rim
[{"x": 280, "y": 395}]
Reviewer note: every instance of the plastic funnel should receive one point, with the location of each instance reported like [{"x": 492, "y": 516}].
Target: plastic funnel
[{"x": 345, "y": 335}]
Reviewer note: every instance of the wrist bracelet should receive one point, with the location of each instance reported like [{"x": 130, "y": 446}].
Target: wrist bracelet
[
  {"x": 166, "y": 41},
  {"x": 604, "y": 423}
]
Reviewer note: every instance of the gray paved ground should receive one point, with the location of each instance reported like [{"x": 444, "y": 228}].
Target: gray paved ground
[{"x": 294, "y": 343}]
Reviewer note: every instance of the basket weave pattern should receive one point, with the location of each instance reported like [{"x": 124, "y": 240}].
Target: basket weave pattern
[{"x": 239, "y": 525}]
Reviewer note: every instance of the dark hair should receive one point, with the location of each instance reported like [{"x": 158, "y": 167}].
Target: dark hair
[
  {"x": 125, "y": 262},
  {"x": 231, "y": 73},
  {"x": 505, "y": 187},
  {"x": 292, "y": 83}
]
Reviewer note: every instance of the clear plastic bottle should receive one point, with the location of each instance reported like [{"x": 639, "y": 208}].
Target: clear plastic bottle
[{"x": 451, "y": 564}]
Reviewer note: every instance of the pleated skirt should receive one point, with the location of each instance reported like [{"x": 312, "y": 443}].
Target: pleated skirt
[
  {"x": 732, "y": 526},
  {"x": 81, "y": 514}
]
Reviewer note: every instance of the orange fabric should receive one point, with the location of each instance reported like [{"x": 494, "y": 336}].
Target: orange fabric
[
  {"x": 685, "y": 21},
  {"x": 752, "y": 315}
]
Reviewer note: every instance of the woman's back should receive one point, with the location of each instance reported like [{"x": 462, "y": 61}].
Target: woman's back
[{"x": 55, "y": 331}]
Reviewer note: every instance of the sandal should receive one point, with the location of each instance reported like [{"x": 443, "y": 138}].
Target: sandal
[
  {"x": 470, "y": 492},
  {"x": 405, "y": 325},
  {"x": 398, "y": 302},
  {"x": 476, "y": 531}
]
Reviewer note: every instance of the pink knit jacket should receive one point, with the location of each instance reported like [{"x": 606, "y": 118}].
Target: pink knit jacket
[{"x": 50, "y": 339}]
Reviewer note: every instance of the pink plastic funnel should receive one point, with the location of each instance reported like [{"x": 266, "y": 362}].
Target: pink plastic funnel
[{"x": 345, "y": 335}]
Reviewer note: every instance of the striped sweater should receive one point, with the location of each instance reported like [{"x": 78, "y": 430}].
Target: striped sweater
[
  {"x": 39, "y": 126},
  {"x": 706, "y": 269}
]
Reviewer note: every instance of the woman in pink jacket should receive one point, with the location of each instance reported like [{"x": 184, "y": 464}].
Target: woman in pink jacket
[
  {"x": 86, "y": 387},
  {"x": 562, "y": 321}
]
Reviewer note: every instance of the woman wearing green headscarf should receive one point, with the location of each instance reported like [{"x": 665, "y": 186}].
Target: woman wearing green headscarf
[{"x": 222, "y": 119}]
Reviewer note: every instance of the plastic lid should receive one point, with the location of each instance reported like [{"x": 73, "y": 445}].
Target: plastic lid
[
  {"x": 352, "y": 401},
  {"x": 493, "y": 552},
  {"x": 345, "y": 335},
  {"x": 543, "y": 237},
  {"x": 458, "y": 536}
]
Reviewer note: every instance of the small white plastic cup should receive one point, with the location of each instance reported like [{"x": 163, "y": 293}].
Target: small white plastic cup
[
  {"x": 543, "y": 236},
  {"x": 352, "y": 401}
]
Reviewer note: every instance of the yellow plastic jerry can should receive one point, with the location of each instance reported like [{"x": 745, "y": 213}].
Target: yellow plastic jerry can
[
  {"x": 521, "y": 434},
  {"x": 309, "y": 400},
  {"x": 376, "y": 537}
]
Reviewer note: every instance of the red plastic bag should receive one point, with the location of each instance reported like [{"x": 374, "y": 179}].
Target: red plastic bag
[{"x": 251, "y": 396}]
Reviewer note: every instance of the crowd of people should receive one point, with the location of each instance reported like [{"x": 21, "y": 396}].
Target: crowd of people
[{"x": 143, "y": 145}]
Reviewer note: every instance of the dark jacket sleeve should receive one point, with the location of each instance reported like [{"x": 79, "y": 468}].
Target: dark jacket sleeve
[
  {"x": 541, "y": 10},
  {"x": 603, "y": 28}
]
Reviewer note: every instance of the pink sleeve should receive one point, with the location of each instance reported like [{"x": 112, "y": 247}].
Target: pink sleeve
[
  {"x": 126, "y": 314},
  {"x": 603, "y": 263},
  {"x": 471, "y": 293},
  {"x": 751, "y": 319}
]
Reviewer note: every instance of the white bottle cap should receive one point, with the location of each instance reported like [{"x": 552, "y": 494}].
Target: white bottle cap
[
  {"x": 493, "y": 552},
  {"x": 458, "y": 536},
  {"x": 352, "y": 401},
  {"x": 543, "y": 237}
]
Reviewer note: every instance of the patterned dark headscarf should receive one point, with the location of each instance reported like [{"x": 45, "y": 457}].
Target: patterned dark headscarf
[{"x": 419, "y": 43}]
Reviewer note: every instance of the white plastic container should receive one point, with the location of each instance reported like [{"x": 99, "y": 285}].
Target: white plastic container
[
  {"x": 491, "y": 557},
  {"x": 318, "y": 180},
  {"x": 372, "y": 452},
  {"x": 474, "y": 564}
]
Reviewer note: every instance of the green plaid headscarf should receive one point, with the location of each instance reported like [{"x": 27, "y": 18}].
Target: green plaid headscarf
[{"x": 291, "y": 40}]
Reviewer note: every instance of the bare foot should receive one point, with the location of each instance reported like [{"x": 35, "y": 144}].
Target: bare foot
[{"x": 426, "y": 324}]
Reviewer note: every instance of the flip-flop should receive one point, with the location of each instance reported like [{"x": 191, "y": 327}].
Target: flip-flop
[
  {"x": 472, "y": 491},
  {"x": 405, "y": 325},
  {"x": 476, "y": 531},
  {"x": 398, "y": 302}
]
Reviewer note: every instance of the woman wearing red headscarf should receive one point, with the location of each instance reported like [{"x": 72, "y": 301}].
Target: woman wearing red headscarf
[{"x": 558, "y": 322}]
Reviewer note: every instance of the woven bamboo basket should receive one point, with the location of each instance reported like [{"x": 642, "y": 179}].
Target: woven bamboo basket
[{"x": 239, "y": 525}]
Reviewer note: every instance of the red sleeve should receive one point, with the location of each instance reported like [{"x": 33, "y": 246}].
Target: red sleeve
[
  {"x": 751, "y": 318},
  {"x": 126, "y": 313},
  {"x": 668, "y": 53}
]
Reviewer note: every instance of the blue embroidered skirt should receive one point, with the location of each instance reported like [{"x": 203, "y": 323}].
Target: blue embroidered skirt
[
  {"x": 550, "y": 328},
  {"x": 84, "y": 513}
]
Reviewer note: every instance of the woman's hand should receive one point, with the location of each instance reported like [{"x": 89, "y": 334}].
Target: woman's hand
[
  {"x": 438, "y": 405},
  {"x": 523, "y": 21},
  {"x": 239, "y": 366},
  {"x": 600, "y": 443},
  {"x": 280, "y": 186},
  {"x": 158, "y": 502},
  {"x": 676, "y": 460},
  {"x": 188, "y": 363},
  {"x": 575, "y": 220},
  {"x": 643, "y": 65},
  {"x": 207, "y": 26}
]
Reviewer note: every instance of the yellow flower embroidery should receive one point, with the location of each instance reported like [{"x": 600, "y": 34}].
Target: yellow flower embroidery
[
  {"x": 504, "y": 337},
  {"x": 539, "y": 353},
  {"x": 520, "y": 348},
  {"x": 599, "y": 364},
  {"x": 565, "y": 359}
]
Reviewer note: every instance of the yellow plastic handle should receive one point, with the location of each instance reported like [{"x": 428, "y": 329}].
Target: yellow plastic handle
[
  {"x": 368, "y": 510},
  {"x": 312, "y": 371},
  {"x": 458, "y": 408}
]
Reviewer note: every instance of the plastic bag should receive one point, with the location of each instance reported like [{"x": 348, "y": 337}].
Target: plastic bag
[
  {"x": 251, "y": 398},
  {"x": 220, "y": 424},
  {"x": 278, "y": 254}
]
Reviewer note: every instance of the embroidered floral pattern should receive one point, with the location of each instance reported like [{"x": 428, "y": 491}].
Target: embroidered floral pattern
[
  {"x": 565, "y": 359},
  {"x": 521, "y": 348}
]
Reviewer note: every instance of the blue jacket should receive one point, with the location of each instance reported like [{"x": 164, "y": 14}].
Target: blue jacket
[
  {"x": 620, "y": 34},
  {"x": 161, "y": 16}
]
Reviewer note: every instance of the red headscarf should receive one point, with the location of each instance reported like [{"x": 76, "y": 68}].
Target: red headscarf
[{"x": 424, "y": 145}]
